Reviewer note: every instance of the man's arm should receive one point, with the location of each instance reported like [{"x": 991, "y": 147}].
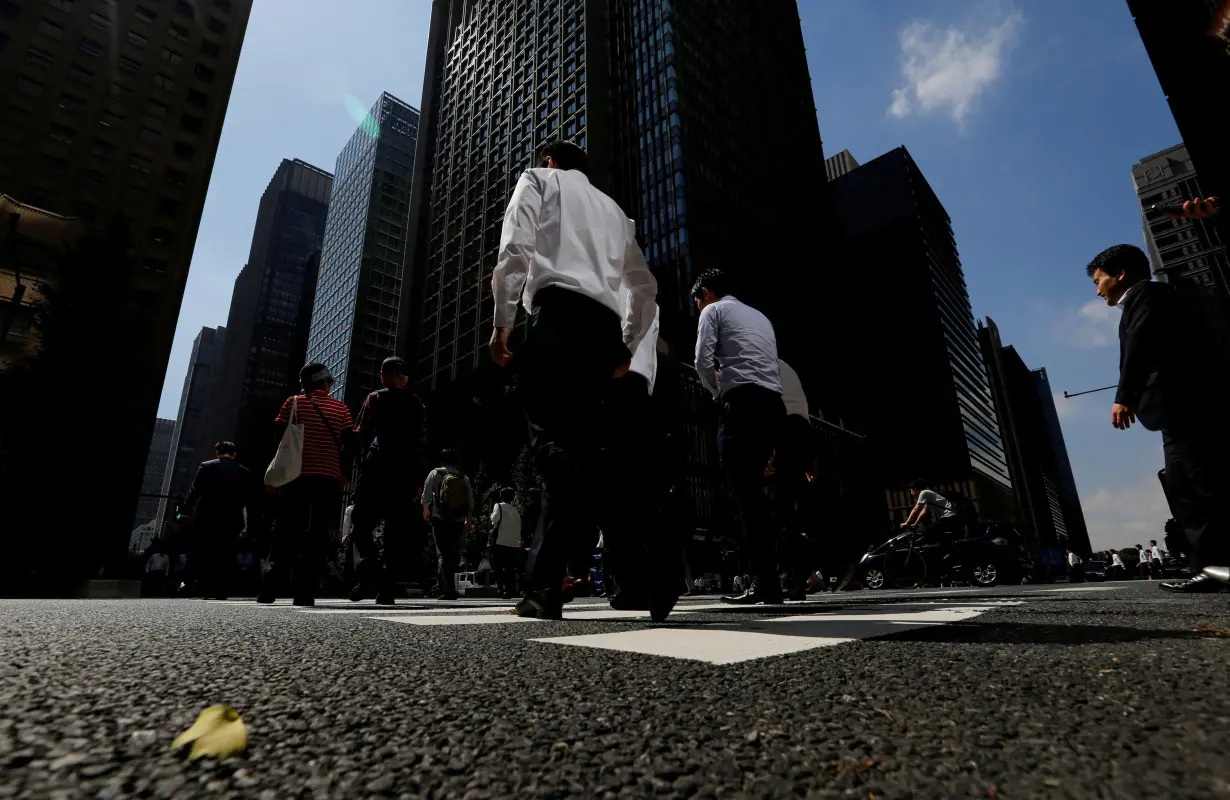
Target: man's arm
[
  {"x": 1142, "y": 347},
  {"x": 642, "y": 292},
  {"x": 512, "y": 269},
  {"x": 429, "y": 490},
  {"x": 706, "y": 347},
  {"x": 199, "y": 482}
]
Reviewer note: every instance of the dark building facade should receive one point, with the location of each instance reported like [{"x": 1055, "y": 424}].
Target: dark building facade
[
  {"x": 155, "y": 471},
  {"x": 191, "y": 443},
  {"x": 912, "y": 376},
  {"x": 262, "y": 357},
  {"x": 1192, "y": 62},
  {"x": 676, "y": 106},
  {"x": 1034, "y": 448},
  {"x": 1186, "y": 252},
  {"x": 112, "y": 114},
  {"x": 358, "y": 295}
]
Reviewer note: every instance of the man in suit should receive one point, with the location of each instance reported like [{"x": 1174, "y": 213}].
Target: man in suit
[
  {"x": 221, "y": 491},
  {"x": 1171, "y": 375}
]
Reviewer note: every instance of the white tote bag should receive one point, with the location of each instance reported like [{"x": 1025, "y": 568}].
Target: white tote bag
[{"x": 288, "y": 462}]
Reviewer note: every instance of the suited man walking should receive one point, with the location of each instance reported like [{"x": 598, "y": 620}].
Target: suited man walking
[
  {"x": 1170, "y": 374},
  {"x": 221, "y": 491}
]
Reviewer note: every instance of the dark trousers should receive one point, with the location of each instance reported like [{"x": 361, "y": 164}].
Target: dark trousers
[
  {"x": 506, "y": 561},
  {"x": 213, "y": 549},
  {"x": 752, "y": 418},
  {"x": 309, "y": 510},
  {"x": 789, "y": 485},
  {"x": 384, "y": 494},
  {"x": 448, "y": 554},
  {"x": 570, "y": 353},
  {"x": 1197, "y": 475}
]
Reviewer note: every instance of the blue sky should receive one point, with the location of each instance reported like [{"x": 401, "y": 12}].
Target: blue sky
[{"x": 1026, "y": 120}]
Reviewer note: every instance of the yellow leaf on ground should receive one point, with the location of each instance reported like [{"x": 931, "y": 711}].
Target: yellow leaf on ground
[{"x": 218, "y": 731}]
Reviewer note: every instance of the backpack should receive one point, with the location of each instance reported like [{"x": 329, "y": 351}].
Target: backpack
[{"x": 454, "y": 499}]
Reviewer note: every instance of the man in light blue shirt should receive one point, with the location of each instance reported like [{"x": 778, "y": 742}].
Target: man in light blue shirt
[{"x": 736, "y": 359}]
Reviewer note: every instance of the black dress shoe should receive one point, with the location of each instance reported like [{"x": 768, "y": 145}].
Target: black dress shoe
[
  {"x": 661, "y": 604},
  {"x": 1218, "y": 573},
  {"x": 630, "y": 601},
  {"x": 306, "y": 602},
  {"x": 753, "y": 596},
  {"x": 1200, "y": 584},
  {"x": 535, "y": 606},
  {"x": 383, "y": 599},
  {"x": 357, "y": 593},
  {"x": 266, "y": 599}
]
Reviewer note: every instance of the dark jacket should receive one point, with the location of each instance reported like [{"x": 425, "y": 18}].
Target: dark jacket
[
  {"x": 1168, "y": 364},
  {"x": 390, "y": 430},
  {"x": 220, "y": 491}
]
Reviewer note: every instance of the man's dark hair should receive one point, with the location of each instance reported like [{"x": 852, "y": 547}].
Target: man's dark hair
[
  {"x": 508, "y": 494},
  {"x": 226, "y": 448},
  {"x": 393, "y": 365},
  {"x": 714, "y": 280},
  {"x": 448, "y": 458},
  {"x": 566, "y": 154},
  {"x": 1122, "y": 259},
  {"x": 918, "y": 484},
  {"x": 1153, "y": 541},
  {"x": 315, "y": 376}
]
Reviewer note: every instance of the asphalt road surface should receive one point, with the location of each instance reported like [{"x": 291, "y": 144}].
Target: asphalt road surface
[{"x": 1100, "y": 690}]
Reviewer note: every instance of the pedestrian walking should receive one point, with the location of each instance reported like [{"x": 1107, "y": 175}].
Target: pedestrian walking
[
  {"x": 1116, "y": 566},
  {"x": 310, "y": 506},
  {"x": 1076, "y": 573},
  {"x": 1156, "y": 560},
  {"x": 448, "y": 502},
  {"x": 1169, "y": 373},
  {"x": 568, "y": 254},
  {"x": 157, "y": 568},
  {"x": 505, "y": 543},
  {"x": 222, "y": 491},
  {"x": 389, "y": 432},
  {"x": 790, "y": 462},
  {"x": 736, "y": 360}
]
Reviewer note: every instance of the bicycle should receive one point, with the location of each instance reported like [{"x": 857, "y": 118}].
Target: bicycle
[{"x": 901, "y": 564}]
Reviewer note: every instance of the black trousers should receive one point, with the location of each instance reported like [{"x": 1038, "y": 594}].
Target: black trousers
[
  {"x": 1198, "y": 487},
  {"x": 751, "y": 421},
  {"x": 448, "y": 554},
  {"x": 309, "y": 511},
  {"x": 385, "y": 493},
  {"x": 506, "y": 561},
  {"x": 213, "y": 549},
  {"x": 567, "y": 362},
  {"x": 790, "y": 462}
]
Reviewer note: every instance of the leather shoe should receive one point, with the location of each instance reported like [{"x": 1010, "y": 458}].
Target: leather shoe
[
  {"x": 383, "y": 599},
  {"x": 535, "y": 606},
  {"x": 753, "y": 596},
  {"x": 1200, "y": 584},
  {"x": 630, "y": 601},
  {"x": 1218, "y": 573}
]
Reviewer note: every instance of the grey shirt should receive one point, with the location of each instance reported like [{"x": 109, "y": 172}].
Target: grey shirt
[{"x": 736, "y": 346}]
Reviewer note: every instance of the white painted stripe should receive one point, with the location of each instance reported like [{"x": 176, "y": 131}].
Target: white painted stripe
[
  {"x": 1084, "y": 589},
  {"x": 458, "y": 619},
  {"x": 367, "y": 612},
  {"x": 709, "y": 646}
]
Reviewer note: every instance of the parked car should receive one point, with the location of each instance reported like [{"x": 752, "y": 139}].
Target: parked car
[
  {"x": 1095, "y": 570},
  {"x": 992, "y": 553}
]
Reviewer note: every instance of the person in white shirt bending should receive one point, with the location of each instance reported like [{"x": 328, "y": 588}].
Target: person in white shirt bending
[
  {"x": 568, "y": 254},
  {"x": 505, "y": 543}
]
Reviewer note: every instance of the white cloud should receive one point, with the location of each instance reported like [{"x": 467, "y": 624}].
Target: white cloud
[
  {"x": 1093, "y": 325},
  {"x": 948, "y": 69},
  {"x": 1125, "y": 517}
]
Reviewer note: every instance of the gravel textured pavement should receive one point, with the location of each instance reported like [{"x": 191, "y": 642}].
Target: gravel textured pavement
[{"x": 1107, "y": 691}]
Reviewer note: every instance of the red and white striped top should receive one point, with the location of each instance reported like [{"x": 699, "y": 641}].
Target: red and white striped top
[{"x": 320, "y": 452}]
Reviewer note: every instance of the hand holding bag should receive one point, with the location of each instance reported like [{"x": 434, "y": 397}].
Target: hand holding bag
[{"x": 288, "y": 461}]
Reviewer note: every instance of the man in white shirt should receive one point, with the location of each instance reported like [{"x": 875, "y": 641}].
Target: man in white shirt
[
  {"x": 568, "y": 253},
  {"x": 505, "y": 543},
  {"x": 1155, "y": 560},
  {"x": 736, "y": 360},
  {"x": 1116, "y": 565},
  {"x": 1076, "y": 572}
]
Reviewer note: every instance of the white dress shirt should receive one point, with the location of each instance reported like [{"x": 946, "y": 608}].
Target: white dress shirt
[
  {"x": 1116, "y": 560},
  {"x": 645, "y": 359},
  {"x": 1155, "y": 553},
  {"x": 739, "y": 341},
  {"x": 792, "y": 391},
  {"x": 561, "y": 231}
]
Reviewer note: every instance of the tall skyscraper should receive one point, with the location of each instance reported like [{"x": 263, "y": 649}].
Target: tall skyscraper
[
  {"x": 1182, "y": 251},
  {"x": 155, "y": 471},
  {"x": 910, "y": 367},
  {"x": 1190, "y": 49},
  {"x": 112, "y": 115},
  {"x": 359, "y": 284},
  {"x": 190, "y": 443},
  {"x": 264, "y": 323},
  {"x": 1034, "y": 449},
  {"x": 681, "y": 110}
]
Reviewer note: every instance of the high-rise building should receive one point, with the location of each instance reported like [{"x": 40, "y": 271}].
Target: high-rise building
[
  {"x": 1189, "y": 45},
  {"x": 190, "y": 443},
  {"x": 263, "y": 354},
  {"x": 155, "y": 471},
  {"x": 359, "y": 284},
  {"x": 112, "y": 114},
  {"x": 1035, "y": 450},
  {"x": 1182, "y": 251},
  {"x": 679, "y": 109},
  {"x": 910, "y": 368}
]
